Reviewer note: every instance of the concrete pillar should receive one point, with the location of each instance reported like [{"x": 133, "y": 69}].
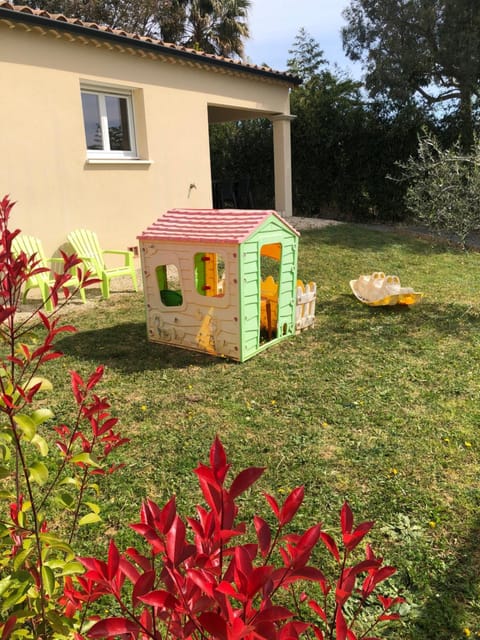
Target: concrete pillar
[{"x": 282, "y": 153}]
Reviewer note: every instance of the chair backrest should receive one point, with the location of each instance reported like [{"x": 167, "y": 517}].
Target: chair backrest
[
  {"x": 31, "y": 246},
  {"x": 86, "y": 246}
]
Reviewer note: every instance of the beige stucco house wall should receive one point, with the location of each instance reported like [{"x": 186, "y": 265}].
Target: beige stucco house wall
[{"x": 174, "y": 93}]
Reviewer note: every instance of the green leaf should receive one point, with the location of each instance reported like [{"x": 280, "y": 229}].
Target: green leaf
[
  {"x": 95, "y": 487},
  {"x": 38, "y": 473},
  {"x": 66, "y": 500},
  {"x": 59, "y": 625},
  {"x": 48, "y": 579},
  {"x": 4, "y": 584},
  {"x": 39, "y": 416},
  {"x": 90, "y": 518},
  {"x": 73, "y": 568},
  {"x": 20, "y": 585},
  {"x": 5, "y": 454},
  {"x": 57, "y": 543},
  {"x": 41, "y": 444},
  {"x": 85, "y": 458},
  {"x": 26, "y": 425},
  {"x": 93, "y": 506},
  {"x": 4, "y": 473},
  {"x": 21, "y": 557},
  {"x": 46, "y": 385},
  {"x": 69, "y": 480}
]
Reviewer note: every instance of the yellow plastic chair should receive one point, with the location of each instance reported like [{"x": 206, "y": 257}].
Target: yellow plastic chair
[
  {"x": 87, "y": 247},
  {"x": 31, "y": 246}
]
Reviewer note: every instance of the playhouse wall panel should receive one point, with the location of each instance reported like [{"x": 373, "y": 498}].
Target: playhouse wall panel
[{"x": 201, "y": 323}]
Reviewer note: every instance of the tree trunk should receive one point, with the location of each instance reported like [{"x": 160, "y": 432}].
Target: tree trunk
[{"x": 466, "y": 120}]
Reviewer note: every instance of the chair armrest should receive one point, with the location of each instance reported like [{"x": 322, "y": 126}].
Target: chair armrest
[{"x": 128, "y": 255}]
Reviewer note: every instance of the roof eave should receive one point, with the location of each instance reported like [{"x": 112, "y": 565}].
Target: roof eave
[{"x": 125, "y": 40}]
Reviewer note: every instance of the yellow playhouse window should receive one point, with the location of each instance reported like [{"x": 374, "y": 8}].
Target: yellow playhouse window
[
  {"x": 168, "y": 280},
  {"x": 209, "y": 274}
]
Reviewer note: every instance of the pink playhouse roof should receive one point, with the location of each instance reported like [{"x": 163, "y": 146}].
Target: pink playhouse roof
[{"x": 230, "y": 226}]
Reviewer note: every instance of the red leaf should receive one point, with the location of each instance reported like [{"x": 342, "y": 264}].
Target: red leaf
[
  {"x": 291, "y": 505},
  {"x": 140, "y": 559},
  {"x": 159, "y": 598},
  {"x": 375, "y": 578},
  {"x": 200, "y": 579},
  {"x": 167, "y": 515},
  {"x": 95, "y": 377},
  {"x": 306, "y": 573},
  {"x": 113, "y": 560},
  {"x": 218, "y": 460},
  {"x": 264, "y": 535},
  {"x": 272, "y": 614},
  {"x": 346, "y": 519},
  {"x": 351, "y": 540},
  {"x": 143, "y": 585},
  {"x": 257, "y": 579},
  {"x": 293, "y": 630},
  {"x": 112, "y": 627},
  {"x": 244, "y": 480},
  {"x": 9, "y": 627},
  {"x": 318, "y": 609},
  {"x": 340, "y": 626},
  {"x": 128, "y": 570},
  {"x": 389, "y": 616},
  {"x": 273, "y": 504},
  {"x": 150, "y": 536},
  {"x": 329, "y": 542},
  {"x": 318, "y": 633},
  {"x": 214, "y": 624},
  {"x": 175, "y": 542}
]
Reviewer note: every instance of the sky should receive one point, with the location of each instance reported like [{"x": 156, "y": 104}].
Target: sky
[{"x": 275, "y": 23}]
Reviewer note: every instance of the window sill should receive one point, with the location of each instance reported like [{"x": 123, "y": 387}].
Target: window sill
[{"x": 133, "y": 161}]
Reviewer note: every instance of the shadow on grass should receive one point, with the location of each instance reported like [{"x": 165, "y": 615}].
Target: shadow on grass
[
  {"x": 355, "y": 237},
  {"x": 343, "y": 314},
  {"x": 450, "y": 610},
  {"x": 125, "y": 347}
]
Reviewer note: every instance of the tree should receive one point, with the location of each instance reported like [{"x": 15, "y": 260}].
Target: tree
[
  {"x": 214, "y": 26},
  {"x": 307, "y": 57},
  {"x": 444, "y": 188},
  {"x": 217, "y": 26},
  {"x": 342, "y": 147},
  {"x": 419, "y": 49}
]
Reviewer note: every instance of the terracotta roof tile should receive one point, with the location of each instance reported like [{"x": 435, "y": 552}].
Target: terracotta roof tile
[
  {"x": 229, "y": 226},
  {"x": 194, "y": 53}
]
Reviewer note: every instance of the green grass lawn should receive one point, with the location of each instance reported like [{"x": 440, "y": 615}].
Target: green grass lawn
[{"x": 380, "y": 406}]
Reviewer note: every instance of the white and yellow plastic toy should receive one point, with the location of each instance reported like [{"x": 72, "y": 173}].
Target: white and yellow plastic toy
[{"x": 378, "y": 290}]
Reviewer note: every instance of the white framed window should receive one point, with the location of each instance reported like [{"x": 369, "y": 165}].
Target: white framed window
[{"x": 109, "y": 123}]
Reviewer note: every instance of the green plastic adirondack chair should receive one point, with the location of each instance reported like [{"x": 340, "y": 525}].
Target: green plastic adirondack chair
[
  {"x": 31, "y": 246},
  {"x": 87, "y": 247}
]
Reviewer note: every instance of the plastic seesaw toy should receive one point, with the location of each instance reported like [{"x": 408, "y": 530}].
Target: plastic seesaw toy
[{"x": 377, "y": 290}]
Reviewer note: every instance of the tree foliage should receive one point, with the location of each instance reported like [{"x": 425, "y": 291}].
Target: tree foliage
[
  {"x": 444, "y": 187},
  {"x": 214, "y": 26},
  {"x": 342, "y": 147},
  {"x": 419, "y": 49}
]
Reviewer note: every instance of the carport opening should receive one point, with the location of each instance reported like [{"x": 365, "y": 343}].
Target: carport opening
[{"x": 241, "y": 159}]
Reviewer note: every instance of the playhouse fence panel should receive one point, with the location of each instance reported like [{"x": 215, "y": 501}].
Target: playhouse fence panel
[{"x": 305, "y": 313}]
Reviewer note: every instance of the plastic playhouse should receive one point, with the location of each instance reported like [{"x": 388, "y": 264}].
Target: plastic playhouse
[{"x": 223, "y": 281}]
